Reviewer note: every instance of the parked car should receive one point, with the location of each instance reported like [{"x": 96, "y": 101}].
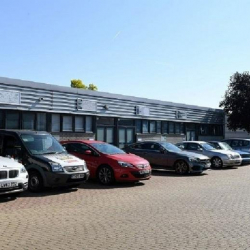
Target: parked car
[
  {"x": 219, "y": 158},
  {"x": 13, "y": 177},
  {"x": 167, "y": 156},
  {"x": 47, "y": 162},
  {"x": 223, "y": 145},
  {"x": 108, "y": 163},
  {"x": 239, "y": 144}
]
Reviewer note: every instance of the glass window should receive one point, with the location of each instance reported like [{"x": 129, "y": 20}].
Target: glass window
[
  {"x": 105, "y": 121},
  {"x": 110, "y": 135},
  {"x": 28, "y": 121},
  {"x": 182, "y": 128},
  {"x": 12, "y": 120},
  {"x": 79, "y": 124},
  {"x": 171, "y": 128},
  {"x": 138, "y": 126},
  {"x": 100, "y": 134},
  {"x": 144, "y": 126},
  {"x": 177, "y": 128},
  {"x": 158, "y": 127},
  {"x": 126, "y": 122},
  {"x": 1, "y": 119},
  {"x": 41, "y": 122},
  {"x": 89, "y": 126},
  {"x": 55, "y": 121},
  {"x": 152, "y": 127},
  {"x": 165, "y": 127},
  {"x": 67, "y": 123}
]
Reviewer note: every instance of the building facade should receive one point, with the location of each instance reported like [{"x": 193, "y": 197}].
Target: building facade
[{"x": 70, "y": 113}]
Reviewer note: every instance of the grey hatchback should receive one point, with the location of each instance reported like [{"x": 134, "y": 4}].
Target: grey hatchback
[{"x": 166, "y": 155}]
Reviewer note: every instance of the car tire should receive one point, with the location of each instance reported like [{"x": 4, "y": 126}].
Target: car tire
[
  {"x": 35, "y": 182},
  {"x": 105, "y": 175},
  {"x": 181, "y": 167},
  {"x": 216, "y": 162}
]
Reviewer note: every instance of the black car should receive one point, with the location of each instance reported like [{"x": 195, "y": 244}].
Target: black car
[
  {"x": 168, "y": 156},
  {"x": 47, "y": 162}
]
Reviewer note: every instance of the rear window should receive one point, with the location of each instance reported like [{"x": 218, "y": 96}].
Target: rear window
[{"x": 245, "y": 143}]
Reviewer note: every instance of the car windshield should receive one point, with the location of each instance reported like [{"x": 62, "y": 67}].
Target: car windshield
[
  {"x": 106, "y": 148},
  {"x": 225, "y": 146},
  {"x": 170, "y": 147},
  {"x": 208, "y": 146},
  {"x": 42, "y": 144}
]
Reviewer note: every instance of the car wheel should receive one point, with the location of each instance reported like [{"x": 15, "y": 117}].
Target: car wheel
[
  {"x": 105, "y": 175},
  {"x": 181, "y": 167},
  {"x": 216, "y": 162},
  {"x": 35, "y": 181}
]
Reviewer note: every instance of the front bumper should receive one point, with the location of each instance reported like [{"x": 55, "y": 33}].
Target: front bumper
[
  {"x": 198, "y": 167},
  {"x": 21, "y": 186},
  {"x": 130, "y": 175},
  {"x": 232, "y": 162},
  {"x": 245, "y": 161},
  {"x": 65, "y": 179}
]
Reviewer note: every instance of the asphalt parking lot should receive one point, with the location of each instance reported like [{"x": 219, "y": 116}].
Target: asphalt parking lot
[{"x": 208, "y": 211}]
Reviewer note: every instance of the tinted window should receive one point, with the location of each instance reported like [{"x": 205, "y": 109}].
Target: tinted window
[
  {"x": 170, "y": 147},
  {"x": 193, "y": 146},
  {"x": 245, "y": 143},
  {"x": 78, "y": 148}
]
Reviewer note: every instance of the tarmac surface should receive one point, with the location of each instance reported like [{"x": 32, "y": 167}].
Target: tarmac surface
[{"x": 208, "y": 211}]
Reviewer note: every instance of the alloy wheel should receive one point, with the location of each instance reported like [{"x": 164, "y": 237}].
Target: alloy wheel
[
  {"x": 105, "y": 175},
  {"x": 181, "y": 167}
]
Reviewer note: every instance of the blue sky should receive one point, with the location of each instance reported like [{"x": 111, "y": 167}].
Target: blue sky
[{"x": 172, "y": 50}]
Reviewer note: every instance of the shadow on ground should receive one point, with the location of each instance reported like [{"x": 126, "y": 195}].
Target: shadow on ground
[{"x": 173, "y": 174}]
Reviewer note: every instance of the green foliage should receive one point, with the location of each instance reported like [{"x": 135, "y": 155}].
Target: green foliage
[
  {"x": 236, "y": 103},
  {"x": 77, "y": 83}
]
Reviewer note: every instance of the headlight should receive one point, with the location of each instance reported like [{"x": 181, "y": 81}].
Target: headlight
[
  {"x": 23, "y": 170},
  {"x": 230, "y": 156},
  {"x": 125, "y": 164},
  {"x": 193, "y": 159},
  {"x": 56, "y": 167}
]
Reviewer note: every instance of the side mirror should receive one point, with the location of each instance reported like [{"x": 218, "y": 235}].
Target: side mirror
[{"x": 88, "y": 152}]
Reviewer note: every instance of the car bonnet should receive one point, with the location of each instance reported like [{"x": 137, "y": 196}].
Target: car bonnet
[
  {"x": 9, "y": 163},
  {"x": 191, "y": 154},
  {"x": 65, "y": 159},
  {"x": 130, "y": 158}
]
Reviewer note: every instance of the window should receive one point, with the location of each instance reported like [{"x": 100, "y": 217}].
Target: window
[
  {"x": 171, "y": 128},
  {"x": 105, "y": 121},
  {"x": 165, "y": 127},
  {"x": 144, "y": 126},
  {"x": 138, "y": 125},
  {"x": 79, "y": 124},
  {"x": 203, "y": 129},
  {"x": 177, "y": 128},
  {"x": 125, "y": 122},
  {"x": 1, "y": 119},
  {"x": 152, "y": 127},
  {"x": 245, "y": 143},
  {"x": 88, "y": 124},
  {"x": 146, "y": 146},
  {"x": 67, "y": 123},
  {"x": 28, "y": 121},
  {"x": 12, "y": 120},
  {"x": 193, "y": 146},
  {"x": 158, "y": 127},
  {"x": 55, "y": 121},
  {"x": 41, "y": 122}
]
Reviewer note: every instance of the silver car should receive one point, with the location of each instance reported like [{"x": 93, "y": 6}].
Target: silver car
[{"x": 219, "y": 158}]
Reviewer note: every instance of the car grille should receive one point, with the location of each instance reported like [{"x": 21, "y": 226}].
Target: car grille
[
  {"x": 13, "y": 173},
  {"x": 142, "y": 166},
  {"x": 245, "y": 156},
  {"x": 138, "y": 175},
  {"x": 73, "y": 168},
  {"x": 3, "y": 174}
]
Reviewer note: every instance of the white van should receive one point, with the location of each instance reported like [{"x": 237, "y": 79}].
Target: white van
[{"x": 13, "y": 177}]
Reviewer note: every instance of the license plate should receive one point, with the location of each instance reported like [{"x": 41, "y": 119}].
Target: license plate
[
  {"x": 77, "y": 176},
  {"x": 144, "y": 171},
  {"x": 8, "y": 185}
]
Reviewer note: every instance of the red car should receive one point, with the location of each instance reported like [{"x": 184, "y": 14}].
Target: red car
[{"x": 108, "y": 163}]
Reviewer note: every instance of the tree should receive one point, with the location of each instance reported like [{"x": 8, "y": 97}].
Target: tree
[
  {"x": 77, "y": 83},
  {"x": 236, "y": 103}
]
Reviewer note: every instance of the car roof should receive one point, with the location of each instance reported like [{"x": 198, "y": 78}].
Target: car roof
[
  {"x": 20, "y": 132},
  {"x": 244, "y": 139},
  {"x": 194, "y": 142}
]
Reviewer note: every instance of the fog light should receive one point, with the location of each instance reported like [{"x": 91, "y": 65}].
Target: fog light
[{"x": 124, "y": 176}]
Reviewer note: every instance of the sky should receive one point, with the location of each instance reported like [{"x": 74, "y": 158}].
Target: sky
[{"x": 170, "y": 50}]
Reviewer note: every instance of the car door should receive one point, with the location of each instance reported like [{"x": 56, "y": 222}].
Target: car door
[{"x": 158, "y": 156}]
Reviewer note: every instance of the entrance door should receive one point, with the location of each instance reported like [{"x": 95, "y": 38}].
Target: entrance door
[
  {"x": 105, "y": 134},
  {"x": 125, "y": 136},
  {"x": 190, "y": 135}
]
